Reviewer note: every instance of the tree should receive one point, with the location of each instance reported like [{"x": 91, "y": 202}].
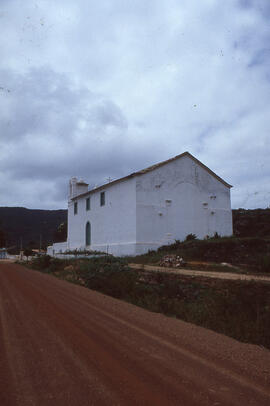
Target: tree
[
  {"x": 60, "y": 234},
  {"x": 27, "y": 252},
  {"x": 2, "y": 237}
]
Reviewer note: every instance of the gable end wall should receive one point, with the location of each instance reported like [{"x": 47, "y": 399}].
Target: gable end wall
[{"x": 178, "y": 199}]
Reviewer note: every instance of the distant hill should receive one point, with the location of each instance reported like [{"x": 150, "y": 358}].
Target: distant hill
[
  {"x": 18, "y": 223},
  {"x": 251, "y": 223}
]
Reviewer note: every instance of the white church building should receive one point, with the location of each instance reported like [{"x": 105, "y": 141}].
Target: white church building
[{"x": 149, "y": 208}]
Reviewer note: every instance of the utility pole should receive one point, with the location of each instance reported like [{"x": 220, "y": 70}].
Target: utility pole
[
  {"x": 40, "y": 240},
  {"x": 21, "y": 251}
]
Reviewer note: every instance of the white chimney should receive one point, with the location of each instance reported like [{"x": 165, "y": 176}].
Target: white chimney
[{"x": 77, "y": 187}]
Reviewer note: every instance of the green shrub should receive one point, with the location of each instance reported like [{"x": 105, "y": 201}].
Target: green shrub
[
  {"x": 57, "y": 264},
  {"x": 109, "y": 275},
  {"x": 191, "y": 237},
  {"x": 47, "y": 263},
  {"x": 265, "y": 263},
  {"x": 112, "y": 281},
  {"x": 41, "y": 262},
  {"x": 27, "y": 252}
]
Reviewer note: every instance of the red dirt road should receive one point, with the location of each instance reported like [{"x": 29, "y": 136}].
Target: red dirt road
[{"x": 62, "y": 344}]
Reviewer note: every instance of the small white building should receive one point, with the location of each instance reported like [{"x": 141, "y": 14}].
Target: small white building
[
  {"x": 148, "y": 208},
  {"x": 3, "y": 253}
]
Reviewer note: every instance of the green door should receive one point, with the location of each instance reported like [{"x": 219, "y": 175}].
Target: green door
[{"x": 88, "y": 233}]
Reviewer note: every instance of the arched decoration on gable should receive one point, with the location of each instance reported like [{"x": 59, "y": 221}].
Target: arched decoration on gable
[{"x": 88, "y": 233}]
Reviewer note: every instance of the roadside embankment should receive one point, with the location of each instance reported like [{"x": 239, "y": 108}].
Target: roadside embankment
[{"x": 237, "y": 308}]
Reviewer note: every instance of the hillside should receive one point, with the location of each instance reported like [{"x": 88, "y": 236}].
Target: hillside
[
  {"x": 28, "y": 224},
  {"x": 251, "y": 223},
  {"x": 19, "y": 223}
]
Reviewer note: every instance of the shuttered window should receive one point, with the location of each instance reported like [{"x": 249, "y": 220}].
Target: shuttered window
[
  {"x": 88, "y": 234},
  {"x": 102, "y": 199},
  {"x": 88, "y": 203}
]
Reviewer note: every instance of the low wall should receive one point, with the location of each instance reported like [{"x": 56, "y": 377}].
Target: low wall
[{"x": 57, "y": 248}]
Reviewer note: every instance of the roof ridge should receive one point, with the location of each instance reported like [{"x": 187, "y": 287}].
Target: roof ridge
[{"x": 151, "y": 168}]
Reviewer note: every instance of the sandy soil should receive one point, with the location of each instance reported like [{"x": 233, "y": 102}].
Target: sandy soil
[
  {"x": 208, "y": 274},
  {"x": 61, "y": 344}
]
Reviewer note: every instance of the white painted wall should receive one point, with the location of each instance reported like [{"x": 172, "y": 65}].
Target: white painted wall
[
  {"x": 113, "y": 226},
  {"x": 50, "y": 250},
  {"x": 177, "y": 199},
  {"x": 150, "y": 210},
  {"x": 57, "y": 247}
]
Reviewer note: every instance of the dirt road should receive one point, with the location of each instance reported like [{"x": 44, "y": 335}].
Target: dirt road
[
  {"x": 208, "y": 274},
  {"x": 62, "y": 344}
]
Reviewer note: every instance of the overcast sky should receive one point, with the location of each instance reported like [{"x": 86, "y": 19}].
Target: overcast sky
[{"x": 99, "y": 89}]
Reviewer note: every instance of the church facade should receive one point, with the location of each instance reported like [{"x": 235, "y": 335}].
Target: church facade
[{"x": 148, "y": 208}]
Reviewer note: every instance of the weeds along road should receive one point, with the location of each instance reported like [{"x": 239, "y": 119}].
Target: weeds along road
[
  {"x": 61, "y": 344},
  {"x": 209, "y": 274}
]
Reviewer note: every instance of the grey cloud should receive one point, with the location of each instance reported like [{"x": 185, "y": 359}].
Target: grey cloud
[
  {"x": 262, "y": 6},
  {"x": 44, "y": 112},
  {"x": 128, "y": 84},
  {"x": 261, "y": 57},
  {"x": 53, "y": 130},
  {"x": 108, "y": 114}
]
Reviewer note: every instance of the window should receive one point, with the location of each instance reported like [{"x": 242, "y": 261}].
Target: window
[
  {"x": 102, "y": 199},
  {"x": 75, "y": 207},
  {"x": 88, "y": 233},
  {"x": 88, "y": 203}
]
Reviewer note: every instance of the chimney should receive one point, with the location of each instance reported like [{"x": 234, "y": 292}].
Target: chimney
[{"x": 77, "y": 187}]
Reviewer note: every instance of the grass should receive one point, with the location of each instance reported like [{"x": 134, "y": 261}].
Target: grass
[
  {"x": 239, "y": 309},
  {"x": 251, "y": 253}
]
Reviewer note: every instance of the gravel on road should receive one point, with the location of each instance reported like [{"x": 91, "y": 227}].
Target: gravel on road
[{"x": 62, "y": 344}]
